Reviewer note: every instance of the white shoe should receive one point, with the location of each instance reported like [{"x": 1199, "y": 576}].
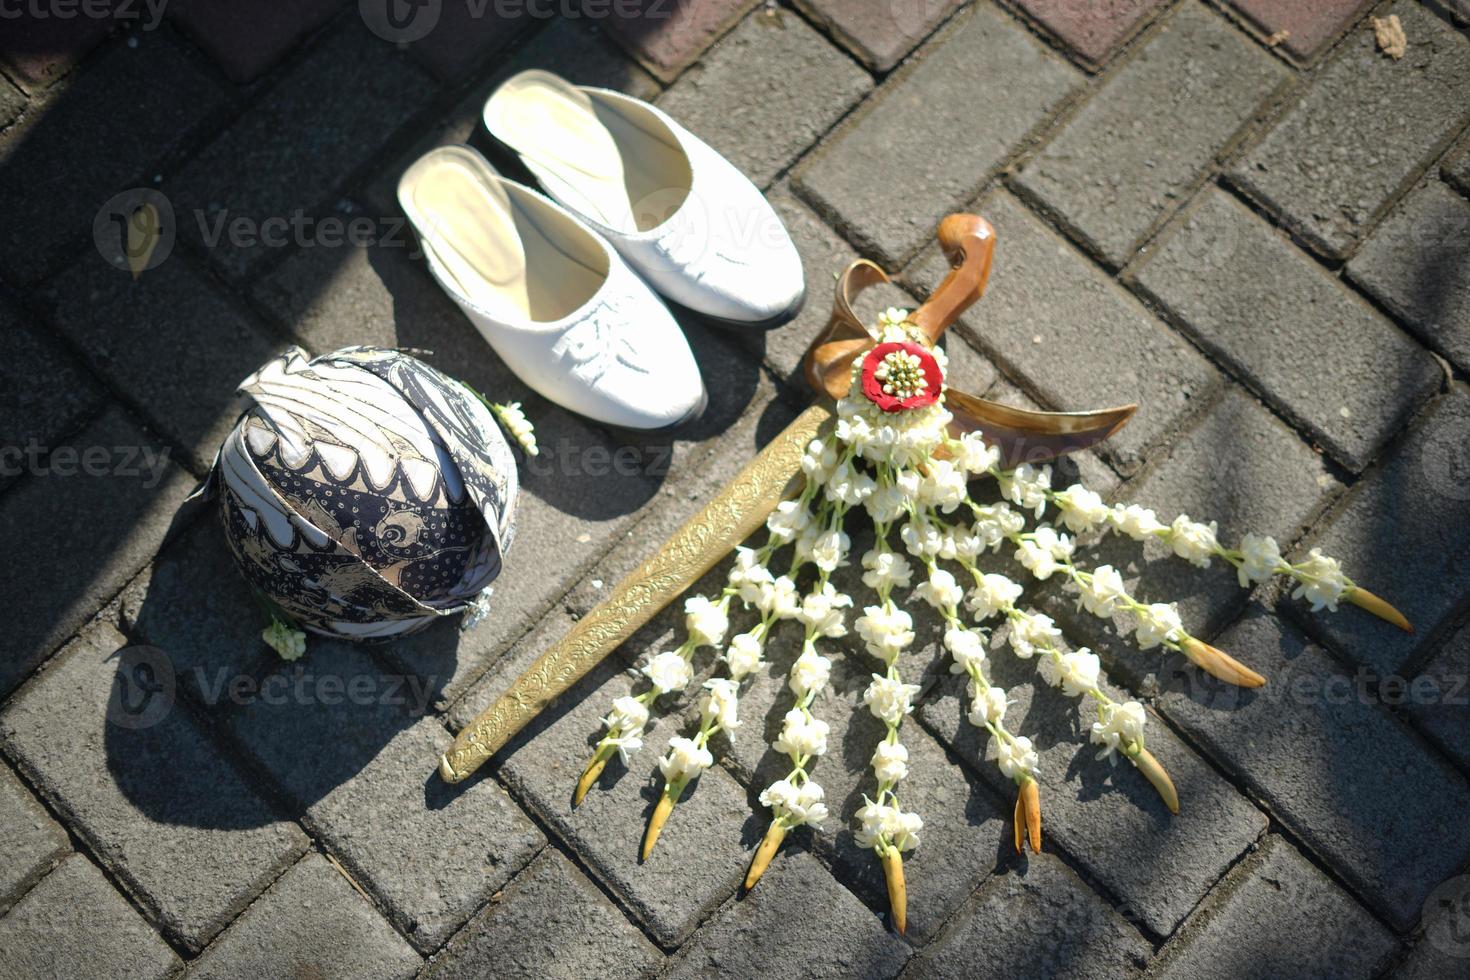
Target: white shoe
[
  {"x": 691, "y": 224},
  {"x": 559, "y": 306}
]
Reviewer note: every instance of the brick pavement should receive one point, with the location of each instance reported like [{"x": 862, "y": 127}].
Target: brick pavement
[{"x": 1261, "y": 241}]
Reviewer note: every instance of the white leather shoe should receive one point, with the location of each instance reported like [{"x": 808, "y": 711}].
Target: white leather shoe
[
  {"x": 558, "y": 305},
  {"x": 691, "y": 224}
]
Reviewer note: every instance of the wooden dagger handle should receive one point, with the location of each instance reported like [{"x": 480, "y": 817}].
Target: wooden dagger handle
[{"x": 968, "y": 242}]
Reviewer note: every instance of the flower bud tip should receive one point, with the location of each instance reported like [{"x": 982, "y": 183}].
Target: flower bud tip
[
  {"x": 898, "y": 893},
  {"x": 1219, "y": 664},
  {"x": 661, "y": 811},
  {"x": 1364, "y": 599},
  {"x": 763, "y": 854},
  {"x": 589, "y": 776},
  {"x": 1156, "y": 775}
]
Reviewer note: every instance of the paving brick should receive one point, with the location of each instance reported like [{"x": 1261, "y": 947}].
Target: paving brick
[
  {"x": 1057, "y": 325},
  {"x": 798, "y": 921},
  {"x": 1333, "y": 766},
  {"x": 549, "y": 922},
  {"x": 669, "y": 893},
  {"x": 1278, "y": 916},
  {"x": 576, "y": 49},
  {"x": 1456, "y": 168},
  {"x": 1439, "y": 705},
  {"x": 1093, "y": 30},
  {"x": 1320, "y": 354},
  {"x": 667, "y": 35},
  {"x": 31, "y": 841},
  {"x": 879, "y": 32},
  {"x": 95, "y": 533},
  {"x": 284, "y": 158},
  {"x": 43, "y": 394},
  {"x": 434, "y": 853},
  {"x": 1441, "y": 950},
  {"x": 310, "y": 923},
  {"x": 170, "y": 316},
  {"x": 1240, "y": 467},
  {"x": 1117, "y": 169},
  {"x": 53, "y": 192},
  {"x": 466, "y": 33},
  {"x": 1309, "y": 25},
  {"x": 1401, "y": 533},
  {"x": 767, "y": 91},
  {"x": 1108, "y": 817},
  {"x": 246, "y": 39},
  {"x": 12, "y": 103},
  {"x": 40, "y": 50},
  {"x": 1418, "y": 265},
  {"x": 865, "y": 176},
  {"x": 154, "y": 799},
  {"x": 73, "y": 924},
  {"x": 1037, "y": 921},
  {"x": 1328, "y": 167}
]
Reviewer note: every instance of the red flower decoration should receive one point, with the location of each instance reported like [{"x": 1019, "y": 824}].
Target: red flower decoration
[{"x": 909, "y": 385}]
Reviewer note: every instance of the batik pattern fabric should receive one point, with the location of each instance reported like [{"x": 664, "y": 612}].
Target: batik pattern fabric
[{"x": 364, "y": 492}]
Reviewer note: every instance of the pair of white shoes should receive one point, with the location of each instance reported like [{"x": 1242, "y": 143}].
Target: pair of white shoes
[{"x": 561, "y": 288}]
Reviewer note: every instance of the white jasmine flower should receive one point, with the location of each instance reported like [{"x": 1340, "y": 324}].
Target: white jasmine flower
[
  {"x": 995, "y": 522},
  {"x": 850, "y": 485},
  {"x": 1075, "y": 672},
  {"x": 943, "y": 486},
  {"x": 705, "y": 621},
  {"x": 750, "y": 580},
  {"x": 1321, "y": 581},
  {"x": 1032, "y": 632},
  {"x": 830, "y": 550},
  {"x": 819, "y": 461},
  {"x": 788, "y": 520},
  {"x": 886, "y": 631},
  {"x": 1193, "y": 541},
  {"x": 1260, "y": 557},
  {"x": 1043, "y": 550},
  {"x": 685, "y": 761},
  {"x": 993, "y": 594},
  {"x": 1158, "y": 623},
  {"x": 1082, "y": 509},
  {"x": 1026, "y": 487},
  {"x": 923, "y": 540},
  {"x": 628, "y": 716},
  {"x": 743, "y": 656},
  {"x": 801, "y": 735},
  {"x": 1118, "y": 726},
  {"x": 809, "y": 673},
  {"x": 667, "y": 672},
  {"x": 798, "y": 805},
  {"x": 1103, "y": 592},
  {"x": 517, "y": 425},
  {"x": 822, "y": 611},
  {"x": 890, "y": 762},
  {"x": 967, "y": 648},
  {"x": 722, "y": 703},
  {"x": 626, "y": 745},
  {"x": 889, "y": 700},
  {"x": 1139, "y": 523},
  {"x": 1015, "y": 757},
  {"x": 941, "y": 591},
  {"x": 962, "y": 543},
  {"x": 973, "y": 455},
  {"x": 988, "y": 707},
  {"x": 854, "y": 430},
  {"x": 879, "y": 821},
  {"x": 780, "y": 599},
  {"x": 886, "y": 503},
  {"x": 886, "y": 570},
  {"x": 289, "y": 644}
]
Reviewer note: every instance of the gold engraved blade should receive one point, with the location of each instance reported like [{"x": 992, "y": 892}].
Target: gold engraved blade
[{"x": 728, "y": 519}]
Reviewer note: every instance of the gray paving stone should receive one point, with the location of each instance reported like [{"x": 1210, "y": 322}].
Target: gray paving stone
[
  {"x": 1062, "y": 329},
  {"x": 1240, "y": 467},
  {"x": 1278, "y": 916},
  {"x": 1456, "y": 168},
  {"x": 550, "y": 922},
  {"x": 170, "y": 316},
  {"x": 95, "y": 532},
  {"x": 1037, "y": 921},
  {"x": 43, "y": 393},
  {"x": 1443, "y": 693},
  {"x": 433, "y": 853},
  {"x": 246, "y": 39},
  {"x": 465, "y": 34},
  {"x": 1322, "y": 355},
  {"x": 669, "y": 893},
  {"x": 878, "y": 32},
  {"x": 30, "y": 840},
  {"x": 767, "y": 91},
  {"x": 1331, "y": 166},
  {"x": 1108, "y": 817},
  {"x": 74, "y": 924},
  {"x": 39, "y": 50},
  {"x": 865, "y": 177},
  {"x": 1137, "y": 149},
  {"x": 1417, "y": 264},
  {"x": 52, "y": 191},
  {"x": 797, "y": 922},
  {"x": 12, "y": 103},
  {"x": 1330, "y": 764},
  {"x": 147, "y": 789},
  {"x": 1402, "y": 534},
  {"x": 1440, "y": 950},
  {"x": 288, "y": 154},
  {"x": 310, "y": 923}
]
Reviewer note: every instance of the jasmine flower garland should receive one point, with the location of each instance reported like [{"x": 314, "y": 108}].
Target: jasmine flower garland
[{"x": 892, "y": 453}]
